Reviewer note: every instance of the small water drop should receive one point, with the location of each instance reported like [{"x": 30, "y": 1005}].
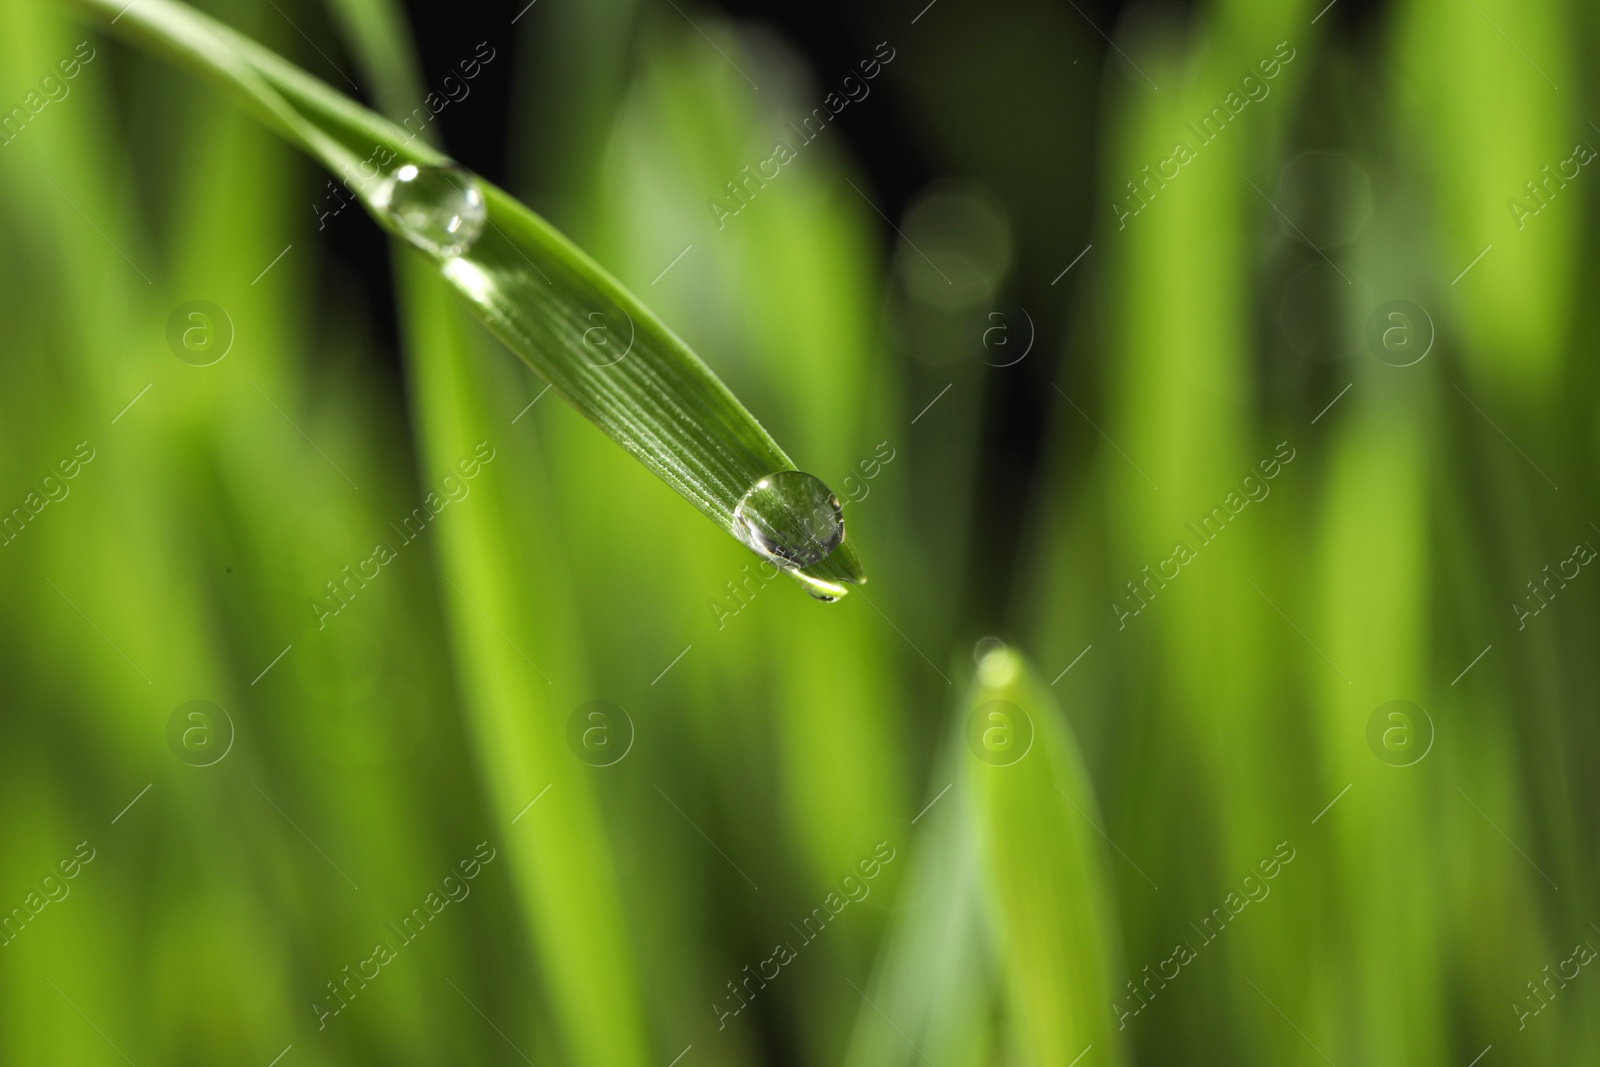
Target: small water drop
[
  {"x": 790, "y": 517},
  {"x": 438, "y": 209},
  {"x": 985, "y": 646},
  {"x": 999, "y": 667},
  {"x": 817, "y": 588}
]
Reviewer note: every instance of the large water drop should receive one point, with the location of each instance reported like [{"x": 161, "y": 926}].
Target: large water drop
[
  {"x": 438, "y": 209},
  {"x": 790, "y": 517}
]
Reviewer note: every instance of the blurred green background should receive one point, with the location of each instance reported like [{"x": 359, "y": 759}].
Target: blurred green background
[{"x": 1057, "y": 290}]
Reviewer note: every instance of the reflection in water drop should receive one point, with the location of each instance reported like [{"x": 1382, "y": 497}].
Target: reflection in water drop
[
  {"x": 790, "y": 517},
  {"x": 817, "y": 588},
  {"x": 438, "y": 209}
]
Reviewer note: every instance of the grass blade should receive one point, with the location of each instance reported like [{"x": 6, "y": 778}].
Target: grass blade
[
  {"x": 560, "y": 858},
  {"x": 931, "y": 997},
  {"x": 597, "y": 345},
  {"x": 1049, "y": 905}
]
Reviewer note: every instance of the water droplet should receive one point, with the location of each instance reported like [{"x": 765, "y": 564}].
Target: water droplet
[
  {"x": 999, "y": 667},
  {"x": 817, "y": 588},
  {"x": 790, "y": 517},
  {"x": 438, "y": 209},
  {"x": 986, "y": 645}
]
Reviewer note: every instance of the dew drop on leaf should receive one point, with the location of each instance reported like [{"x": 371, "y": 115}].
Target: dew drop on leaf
[
  {"x": 790, "y": 517},
  {"x": 438, "y": 209}
]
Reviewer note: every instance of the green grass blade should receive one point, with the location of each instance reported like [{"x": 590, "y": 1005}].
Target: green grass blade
[
  {"x": 933, "y": 976},
  {"x": 597, "y": 345},
  {"x": 1050, "y": 909},
  {"x": 376, "y": 32},
  {"x": 566, "y": 884},
  {"x": 507, "y": 708}
]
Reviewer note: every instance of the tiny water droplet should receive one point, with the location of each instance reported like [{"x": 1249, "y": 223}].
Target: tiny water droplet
[
  {"x": 985, "y": 646},
  {"x": 790, "y": 517},
  {"x": 817, "y": 588},
  {"x": 438, "y": 209},
  {"x": 999, "y": 667}
]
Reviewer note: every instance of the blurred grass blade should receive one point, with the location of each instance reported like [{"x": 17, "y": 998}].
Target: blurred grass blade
[
  {"x": 596, "y": 344},
  {"x": 566, "y": 882},
  {"x": 376, "y": 32},
  {"x": 1054, "y": 927},
  {"x": 932, "y": 977}
]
